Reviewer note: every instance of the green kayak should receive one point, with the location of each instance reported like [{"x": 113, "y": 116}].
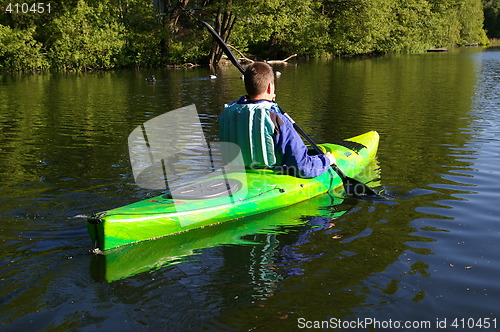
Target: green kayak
[
  {"x": 127, "y": 261},
  {"x": 225, "y": 197}
]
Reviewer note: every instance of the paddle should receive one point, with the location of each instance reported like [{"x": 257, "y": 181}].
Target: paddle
[{"x": 352, "y": 186}]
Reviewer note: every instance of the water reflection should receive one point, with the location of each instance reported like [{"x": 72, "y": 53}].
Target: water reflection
[
  {"x": 150, "y": 255},
  {"x": 430, "y": 252}
]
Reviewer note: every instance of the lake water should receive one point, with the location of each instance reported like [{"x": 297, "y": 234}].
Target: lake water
[{"x": 427, "y": 258}]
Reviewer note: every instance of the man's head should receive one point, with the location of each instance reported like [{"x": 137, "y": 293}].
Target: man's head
[{"x": 259, "y": 81}]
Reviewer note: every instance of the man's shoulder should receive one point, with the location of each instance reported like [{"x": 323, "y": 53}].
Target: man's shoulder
[
  {"x": 234, "y": 102},
  {"x": 277, "y": 110},
  {"x": 253, "y": 104}
]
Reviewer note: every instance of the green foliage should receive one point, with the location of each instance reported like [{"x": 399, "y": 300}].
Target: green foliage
[
  {"x": 273, "y": 28},
  {"x": 86, "y": 37},
  {"x": 413, "y": 28},
  {"x": 365, "y": 26},
  {"x": 19, "y": 50},
  {"x": 181, "y": 52},
  {"x": 85, "y": 34},
  {"x": 471, "y": 17},
  {"x": 492, "y": 18},
  {"x": 141, "y": 50},
  {"x": 143, "y": 33},
  {"x": 362, "y": 26}
]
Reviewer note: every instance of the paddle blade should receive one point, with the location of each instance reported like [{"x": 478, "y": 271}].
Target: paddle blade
[
  {"x": 353, "y": 187},
  {"x": 358, "y": 189}
]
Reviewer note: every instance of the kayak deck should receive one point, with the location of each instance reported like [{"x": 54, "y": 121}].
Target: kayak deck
[{"x": 257, "y": 191}]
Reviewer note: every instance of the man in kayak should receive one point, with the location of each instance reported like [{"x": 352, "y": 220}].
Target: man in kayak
[{"x": 266, "y": 137}]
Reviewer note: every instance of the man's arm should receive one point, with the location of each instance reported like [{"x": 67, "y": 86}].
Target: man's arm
[{"x": 295, "y": 153}]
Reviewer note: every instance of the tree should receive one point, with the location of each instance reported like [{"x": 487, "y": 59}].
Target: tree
[
  {"x": 83, "y": 34},
  {"x": 275, "y": 29},
  {"x": 86, "y": 37},
  {"x": 361, "y": 26},
  {"x": 19, "y": 50},
  {"x": 471, "y": 17},
  {"x": 222, "y": 15},
  {"x": 492, "y": 18},
  {"x": 143, "y": 32}
]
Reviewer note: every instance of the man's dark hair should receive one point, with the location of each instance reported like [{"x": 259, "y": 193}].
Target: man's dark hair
[{"x": 257, "y": 76}]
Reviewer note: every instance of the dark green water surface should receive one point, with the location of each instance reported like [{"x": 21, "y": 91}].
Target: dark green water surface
[{"x": 428, "y": 256}]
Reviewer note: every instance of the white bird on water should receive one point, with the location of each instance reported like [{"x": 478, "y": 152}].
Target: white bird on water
[{"x": 213, "y": 76}]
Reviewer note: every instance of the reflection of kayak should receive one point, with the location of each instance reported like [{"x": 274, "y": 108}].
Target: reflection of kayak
[
  {"x": 229, "y": 196},
  {"x": 126, "y": 261}
]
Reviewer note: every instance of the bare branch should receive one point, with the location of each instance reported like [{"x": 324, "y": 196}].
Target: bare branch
[
  {"x": 281, "y": 61},
  {"x": 243, "y": 57}
]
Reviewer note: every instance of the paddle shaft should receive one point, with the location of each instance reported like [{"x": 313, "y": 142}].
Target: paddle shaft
[
  {"x": 312, "y": 143},
  {"x": 351, "y": 185}
]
